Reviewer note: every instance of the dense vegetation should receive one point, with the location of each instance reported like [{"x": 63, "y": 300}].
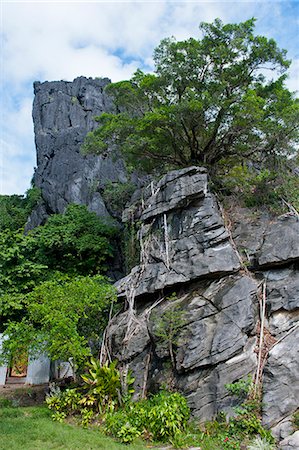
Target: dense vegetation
[
  {"x": 210, "y": 103},
  {"x": 52, "y": 297},
  {"x": 15, "y": 209}
]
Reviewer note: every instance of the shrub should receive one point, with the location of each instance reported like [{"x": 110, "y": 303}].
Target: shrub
[{"x": 162, "y": 417}]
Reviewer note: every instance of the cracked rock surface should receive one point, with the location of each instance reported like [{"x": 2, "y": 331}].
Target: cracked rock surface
[
  {"x": 182, "y": 233},
  {"x": 188, "y": 250},
  {"x": 63, "y": 113}
]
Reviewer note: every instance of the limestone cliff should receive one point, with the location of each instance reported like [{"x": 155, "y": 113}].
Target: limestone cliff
[
  {"x": 221, "y": 269},
  {"x": 63, "y": 113}
]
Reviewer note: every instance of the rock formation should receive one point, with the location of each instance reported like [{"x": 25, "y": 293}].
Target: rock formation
[
  {"x": 217, "y": 267},
  {"x": 188, "y": 248},
  {"x": 63, "y": 113}
]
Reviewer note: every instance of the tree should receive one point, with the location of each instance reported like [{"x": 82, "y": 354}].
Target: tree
[
  {"x": 63, "y": 318},
  {"x": 75, "y": 242},
  {"x": 15, "y": 209},
  {"x": 208, "y": 99}
]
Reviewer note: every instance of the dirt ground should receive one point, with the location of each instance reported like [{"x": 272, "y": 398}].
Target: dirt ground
[{"x": 23, "y": 395}]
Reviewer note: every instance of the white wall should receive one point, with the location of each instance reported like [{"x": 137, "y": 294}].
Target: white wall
[{"x": 3, "y": 369}]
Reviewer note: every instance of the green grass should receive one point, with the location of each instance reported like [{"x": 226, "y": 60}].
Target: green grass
[{"x": 32, "y": 428}]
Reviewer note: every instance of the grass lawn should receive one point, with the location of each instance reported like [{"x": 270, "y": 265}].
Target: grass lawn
[{"x": 32, "y": 428}]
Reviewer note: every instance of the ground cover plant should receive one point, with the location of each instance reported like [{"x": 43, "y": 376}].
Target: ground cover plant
[
  {"x": 104, "y": 400},
  {"x": 32, "y": 428}
]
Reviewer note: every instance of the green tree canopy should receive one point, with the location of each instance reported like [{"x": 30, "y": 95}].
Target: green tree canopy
[
  {"x": 208, "y": 99},
  {"x": 15, "y": 209},
  {"x": 75, "y": 242},
  {"x": 62, "y": 318}
]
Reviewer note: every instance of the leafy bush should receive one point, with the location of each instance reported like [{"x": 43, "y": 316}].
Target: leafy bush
[
  {"x": 240, "y": 388},
  {"x": 63, "y": 318},
  {"x": 161, "y": 417},
  {"x": 247, "y": 421},
  {"x": 116, "y": 195},
  {"x": 64, "y": 403},
  {"x": 75, "y": 242},
  {"x": 102, "y": 386},
  {"x": 15, "y": 209}
]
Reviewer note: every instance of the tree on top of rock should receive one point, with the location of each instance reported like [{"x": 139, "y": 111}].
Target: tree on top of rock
[{"x": 207, "y": 100}]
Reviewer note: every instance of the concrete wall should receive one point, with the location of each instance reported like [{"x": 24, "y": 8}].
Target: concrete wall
[
  {"x": 3, "y": 369},
  {"x": 38, "y": 371}
]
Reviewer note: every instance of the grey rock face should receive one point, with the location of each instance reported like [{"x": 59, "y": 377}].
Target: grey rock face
[
  {"x": 282, "y": 289},
  {"x": 63, "y": 113},
  {"x": 220, "y": 320},
  {"x": 281, "y": 242},
  {"x": 215, "y": 344},
  {"x": 281, "y": 387},
  {"x": 290, "y": 443},
  {"x": 263, "y": 241},
  {"x": 187, "y": 249},
  {"x": 182, "y": 234}
]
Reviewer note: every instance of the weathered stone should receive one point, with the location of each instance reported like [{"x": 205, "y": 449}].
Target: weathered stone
[
  {"x": 220, "y": 322},
  {"x": 63, "y": 113},
  {"x": 290, "y": 443},
  {"x": 205, "y": 388},
  {"x": 281, "y": 322},
  {"x": 124, "y": 349},
  {"x": 281, "y": 242},
  {"x": 249, "y": 228},
  {"x": 282, "y": 289},
  {"x": 185, "y": 240},
  {"x": 280, "y": 386}
]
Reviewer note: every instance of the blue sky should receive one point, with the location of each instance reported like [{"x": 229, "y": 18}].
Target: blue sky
[{"x": 54, "y": 40}]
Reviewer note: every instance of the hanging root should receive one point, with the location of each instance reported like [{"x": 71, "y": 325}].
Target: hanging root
[{"x": 266, "y": 342}]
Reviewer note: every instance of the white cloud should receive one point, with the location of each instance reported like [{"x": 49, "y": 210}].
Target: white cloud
[{"x": 46, "y": 40}]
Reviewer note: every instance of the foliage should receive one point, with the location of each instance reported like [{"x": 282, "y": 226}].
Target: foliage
[
  {"x": 20, "y": 270},
  {"x": 240, "y": 388},
  {"x": 63, "y": 318},
  {"x": 168, "y": 326},
  {"x": 75, "y": 242},
  {"x": 255, "y": 187},
  {"x": 102, "y": 386},
  {"x": 100, "y": 393},
  {"x": 161, "y": 417},
  {"x": 247, "y": 421},
  {"x": 207, "y": 100},
  {"x": 296, "y": 420},
  {"x": 260, "y": 444},
  {"x": 116, "y": 195},
  {"x": 15, "y": 209}
]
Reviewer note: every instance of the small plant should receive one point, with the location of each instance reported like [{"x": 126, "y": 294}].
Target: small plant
[
  {"x": 247, "y": 421},
  {"x": 168, "y": 326},
  {"x": 296, "y": 420},
  {"x": 240, "y": 388},
  {"x": 260, "y": 444}
]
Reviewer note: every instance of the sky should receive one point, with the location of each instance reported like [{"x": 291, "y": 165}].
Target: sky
[{"x": 60, "y": 40}]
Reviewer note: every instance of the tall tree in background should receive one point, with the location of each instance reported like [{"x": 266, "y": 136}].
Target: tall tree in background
[{"x": 207, "y": 100}]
